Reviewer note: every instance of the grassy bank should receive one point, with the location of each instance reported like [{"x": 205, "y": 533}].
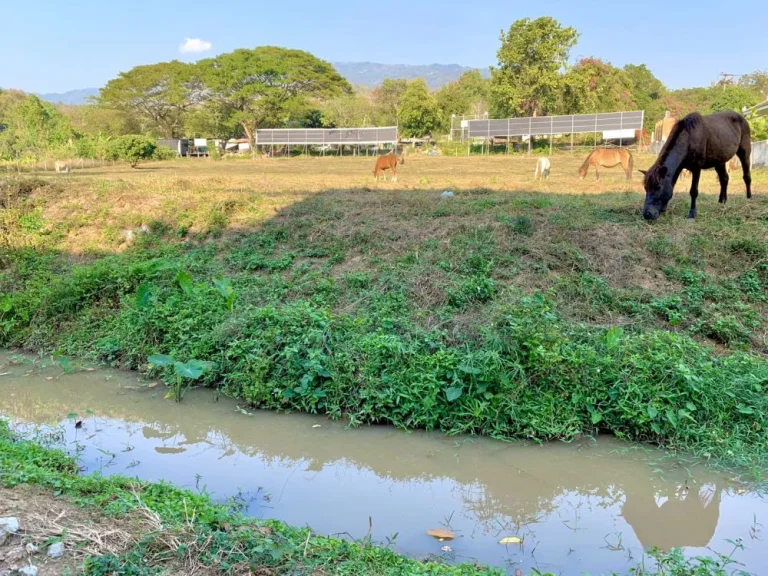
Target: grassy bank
[
  {"x": 125, "y": 526},
  {"x": 516, "y": 309}
]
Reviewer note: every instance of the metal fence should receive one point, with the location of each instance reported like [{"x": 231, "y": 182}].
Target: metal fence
[
  {"x": 622, "y": 124},
  {"x": 326, "y": 136}
]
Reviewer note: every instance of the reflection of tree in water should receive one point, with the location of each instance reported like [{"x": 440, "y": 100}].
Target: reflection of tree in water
[
  {"x": 674, "y": 518},
  {"x": 492, "y": 483}
]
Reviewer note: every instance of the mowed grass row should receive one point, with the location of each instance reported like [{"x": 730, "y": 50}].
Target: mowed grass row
[{"x": 516, "y": 309}]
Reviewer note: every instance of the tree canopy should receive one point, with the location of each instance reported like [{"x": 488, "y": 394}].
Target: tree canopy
[
  {"x": 532, "y": 55},
  {"x": 267, "y": 86},
  {"x": 418, "y": 115}
]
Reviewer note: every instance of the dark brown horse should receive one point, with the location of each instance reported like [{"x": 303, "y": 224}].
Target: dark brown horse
[
  {"x": 696, "y": 143},
  {"x": 388, "y": 162},
  {"x": 607, "y": 158}
]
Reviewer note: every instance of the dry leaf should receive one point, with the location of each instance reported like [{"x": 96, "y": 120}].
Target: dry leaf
[
  {"x": 446, "y": 549},
  {"x": 441, "y": 534},
  {"x": 510, "y": 540},
  {"x": 317, "y": 426},
  {"x": 518, "y": 572},
  {"x": 152, "y": 385},
  {"x": 5, "y": 374},
  {"x": 49, "y": 377}
]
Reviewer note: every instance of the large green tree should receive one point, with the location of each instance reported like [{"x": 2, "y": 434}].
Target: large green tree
[
  {"x": 467, "y": 95},
  {"x": 268, "y": 86},
  {"x": 386, "y": 99},
  {"x": 648, "y": 92},
  {"x": 757, "y": 81},
  {"x": 732, "y": 97},
  {"x": 418, "y": 115},
  {"x": 347, "y": 111},
  {"x": 32, "y": 128},
  {"x": 156, "y": 95},
  {"x": 528, "y": 77},
  {"x": 593, "y": 86}
]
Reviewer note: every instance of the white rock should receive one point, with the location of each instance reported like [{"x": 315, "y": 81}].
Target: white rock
[
  {"x": 32, "y": 549},
  {"x": 10, "y": 524},
  {"x": 56, "y": 550},
  {"x": 28, "y": 571},
  {"x": 3, "y": 538},
  {"x": 447, "y": 194}
]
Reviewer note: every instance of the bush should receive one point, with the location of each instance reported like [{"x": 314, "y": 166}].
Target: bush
[
  {"x": 132, "y": 148},
  {"x": 164, "y": 153}
]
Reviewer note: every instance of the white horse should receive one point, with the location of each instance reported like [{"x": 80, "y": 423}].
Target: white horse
[
  {"x": 542, "y": 168},
  {"x": 61, "y": 167}
]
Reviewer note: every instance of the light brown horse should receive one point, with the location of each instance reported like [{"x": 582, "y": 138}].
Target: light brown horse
[
  {"x": 387, "y": 162},
  {"x": 607, "y": 158}
]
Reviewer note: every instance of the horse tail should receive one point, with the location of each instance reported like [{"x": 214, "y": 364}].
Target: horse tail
[{"x": 630, "y": 163}]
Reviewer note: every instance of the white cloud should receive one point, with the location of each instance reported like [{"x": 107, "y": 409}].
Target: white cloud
[{"x": 194, "y": 46}]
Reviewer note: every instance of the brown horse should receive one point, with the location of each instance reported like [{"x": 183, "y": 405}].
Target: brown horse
[
  {"x": 697, "y": 143},
  {"x": 387, "y": 162},
  {"x": 607, "y": 158}
]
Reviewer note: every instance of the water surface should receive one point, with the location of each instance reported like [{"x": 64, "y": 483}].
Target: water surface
[{"x": 588, "y": 506}]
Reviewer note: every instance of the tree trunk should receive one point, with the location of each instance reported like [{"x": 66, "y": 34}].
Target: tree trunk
[{"x": 250, "y": 133}]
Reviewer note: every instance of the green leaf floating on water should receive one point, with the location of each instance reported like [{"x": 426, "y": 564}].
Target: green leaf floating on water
[{"x": 160, "y": 360}]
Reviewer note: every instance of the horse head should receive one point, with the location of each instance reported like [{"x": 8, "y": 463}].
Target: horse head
[
  {"x": 658, "y": 191},
  {"x": 583, "y": 172}
]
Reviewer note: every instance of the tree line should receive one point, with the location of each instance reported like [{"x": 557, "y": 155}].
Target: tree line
[{"x": 233, "y": 94}]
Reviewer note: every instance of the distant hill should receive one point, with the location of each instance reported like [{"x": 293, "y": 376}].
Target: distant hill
[
  {"x": 367, "y": 74},
  {"x": 371, "y": 74},
  {"x": 73, "y": 97}
]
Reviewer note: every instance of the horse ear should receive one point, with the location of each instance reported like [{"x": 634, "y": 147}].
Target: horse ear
[{"x": 643, "y": 172}]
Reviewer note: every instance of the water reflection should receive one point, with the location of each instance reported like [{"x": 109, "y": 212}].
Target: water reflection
[{"x": 580, "y": 507}]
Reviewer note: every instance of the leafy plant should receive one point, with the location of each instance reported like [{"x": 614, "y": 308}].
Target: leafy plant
[
  {"x": 132, "y": 148},
  {"x": 185, "y": 372}
]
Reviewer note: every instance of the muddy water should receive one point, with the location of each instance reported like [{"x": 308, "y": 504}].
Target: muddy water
[{"x": 586, "y": 506}]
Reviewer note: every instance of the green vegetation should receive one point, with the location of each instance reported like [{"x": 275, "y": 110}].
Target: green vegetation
[
  {"x": 132, "y": 149},
  {"x": 526, "y": 315}
]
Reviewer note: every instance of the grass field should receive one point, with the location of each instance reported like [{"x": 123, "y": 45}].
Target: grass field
[{"x": 516, "y": 309}]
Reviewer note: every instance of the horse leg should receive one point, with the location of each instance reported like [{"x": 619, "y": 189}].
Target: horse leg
[
  {"x": 744, "y": 153},
  {"x": 695, "y": 174},
  {"x": 394, "y": 172},
  {"x": 597, "y": 174},
  {"x": 722, "y": 174}
]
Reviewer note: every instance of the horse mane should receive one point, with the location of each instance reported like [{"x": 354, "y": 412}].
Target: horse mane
[{"x": 688, "y": 124}]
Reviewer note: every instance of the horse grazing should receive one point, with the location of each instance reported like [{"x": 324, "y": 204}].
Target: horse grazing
[
  {"x": 696, "y": 143},
  {"x": 607, "y": 158},
  {"x": 542, "y": 169},
  {"x": 60, "y": 167},
  {"x": 387, "y": 162}
]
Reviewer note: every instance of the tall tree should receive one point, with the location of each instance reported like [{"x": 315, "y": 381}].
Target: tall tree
[
  {"x": 757, "y": 81},
  {"x": 347, "y": 111},
  {"x": 460, "y": 97},
  {"x": 386, "y": 99},
  {"x": 32, "y": 127},
  {"x": 732, "y": 97},
  {"x": 648, "y": 92},
  {"x": 595, "y": 86},
  {"x": 157, "y": 95},
  {"x": 527, "y": 79},
  {"x": 418, "y": 115},
  {"x": 267, "y": 86}
]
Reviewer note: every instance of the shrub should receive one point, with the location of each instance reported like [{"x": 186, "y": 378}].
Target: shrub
[{"x": 132, "y": 148}]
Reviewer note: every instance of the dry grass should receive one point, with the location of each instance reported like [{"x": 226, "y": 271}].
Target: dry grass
[{"x": 94, "y": 207}]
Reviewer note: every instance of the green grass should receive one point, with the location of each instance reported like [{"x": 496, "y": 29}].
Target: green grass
[{"x": 529, "y": 314}]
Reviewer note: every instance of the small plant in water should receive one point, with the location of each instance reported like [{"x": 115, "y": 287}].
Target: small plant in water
[{"x": 184, "y": 372}]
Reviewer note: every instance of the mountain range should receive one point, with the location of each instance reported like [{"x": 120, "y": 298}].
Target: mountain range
[{"x": 367, "y": 74}]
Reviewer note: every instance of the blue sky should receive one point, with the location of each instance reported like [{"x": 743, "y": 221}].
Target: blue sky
[{"x": 54, "y": 46}]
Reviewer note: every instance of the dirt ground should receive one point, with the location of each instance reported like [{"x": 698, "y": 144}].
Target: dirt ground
[{"x": 45, "y": 519}]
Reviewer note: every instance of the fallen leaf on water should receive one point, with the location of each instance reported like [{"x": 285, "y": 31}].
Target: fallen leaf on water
[
  {"x": 446, "y": 549},
  {"x": 90, "y": 369},
  {"x": 49, "y": 377},
  {"x": 510, "y": 540},
  {"x": 441, "y": 534},
  {"x": 317, "y": 426},
  {"x": 518, "y": 572},
  {"x": 152, "y": 385},
  {"x": 5, "y": 374}
]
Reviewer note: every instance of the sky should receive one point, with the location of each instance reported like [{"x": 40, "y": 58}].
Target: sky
[{"x": 59, "y": 45}]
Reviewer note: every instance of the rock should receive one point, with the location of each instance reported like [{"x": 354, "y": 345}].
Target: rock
[
  {"x": 28, "y": 571},
  {"x": 10, "y": 524},
  {"x": 14, "y": 555},
  {"x": 446, "y": 194},
  {"x": 3, "y": 537},
  {"x": 32, "y": 549},
  {"x": 143, "y": 229},
  {"x": 56, "y": 550}
]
